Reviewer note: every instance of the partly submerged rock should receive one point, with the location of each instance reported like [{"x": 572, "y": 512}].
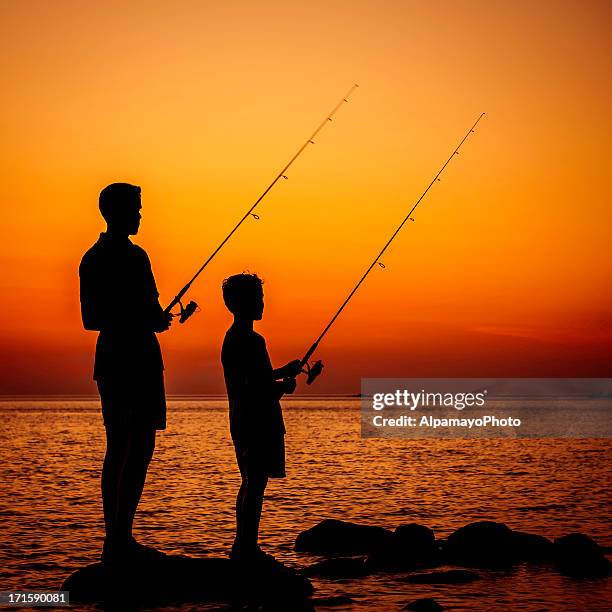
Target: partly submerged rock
[
  {"x": 339, "y": 567},
  {"x": 415, "y": 536},
  {"x": 531, "y": 547},
  {"x": 341, "y": 537},
  {"x": 411, "y": 546},
  {"x": 177, "y": 579},
  {"x": 482, "y": 544},
  {"x": 578, "y": 555},
  {"x": 485, "y": 544},
  {"x": 426, "y": 604},
  {"x": 454, "y": 576}
]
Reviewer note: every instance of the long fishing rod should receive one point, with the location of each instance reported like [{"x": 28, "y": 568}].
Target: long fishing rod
[
  {"x": 187, "y": 311},
  {"x": 313, "y": 370}
]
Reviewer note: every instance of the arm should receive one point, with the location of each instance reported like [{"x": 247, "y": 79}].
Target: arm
[
  {"x": 111, "y": 302},
  {"x": 284, "y": 377},
  {"x": 286, "y": 385},
  {"x": 248, "y": 365},
  {"x": 159, "y": 320},
  {"x": 289, "y": 370},
  {"x": 93, "y": 307}
]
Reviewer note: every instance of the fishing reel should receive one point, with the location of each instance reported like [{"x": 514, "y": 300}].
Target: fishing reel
[
  {"x": 312, "y": 371},
  {"x": 186, "y": 311}
]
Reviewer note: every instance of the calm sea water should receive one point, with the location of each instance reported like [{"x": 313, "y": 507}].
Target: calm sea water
[{"x": 51, "y": 452}]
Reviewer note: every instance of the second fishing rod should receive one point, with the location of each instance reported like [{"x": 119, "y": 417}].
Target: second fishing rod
[
  {"x": 313, "y": 370},
  {"x": 186, "y": 311}
]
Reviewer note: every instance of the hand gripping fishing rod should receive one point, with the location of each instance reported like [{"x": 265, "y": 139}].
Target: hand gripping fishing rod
[
  {"x": 313, "y": 370},
  {"x": 187, "y": 311}
]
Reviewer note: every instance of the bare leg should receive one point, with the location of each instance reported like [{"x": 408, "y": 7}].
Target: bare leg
[
  {"x": 114, "y": 460},
  {"x": 249, "y": 507},
  {"x": 141, "y": 444},
  {"x": 238, "y": 538}
]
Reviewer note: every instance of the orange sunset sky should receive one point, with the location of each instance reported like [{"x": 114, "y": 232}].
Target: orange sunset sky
[{"x": 505, "y": 273}]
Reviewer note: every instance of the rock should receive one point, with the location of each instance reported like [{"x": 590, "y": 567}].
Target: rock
[
  {"x": 578, "y": 555},
  {"x": 427, "y": 604},
  {"x": 531, "y": 547},
  {"x": 411, "y": 546},
  {"x": 447, "y": 577},
  {"x": 341, "y": 537},
  {"x": 340, "y": 567},
  {"x": 334, "y": 600},
  {"x": 417, "y": 537},
  {"x": 180, "y": 579},
  {"x": 482, "y": 544}
]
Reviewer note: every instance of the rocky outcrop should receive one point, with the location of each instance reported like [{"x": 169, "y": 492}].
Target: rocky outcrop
[
  {"x": 176, "y": 579},
  {"x": 411, "y": 546},
  {"x": 427, "y": 604},
  {"x": 341, "y": 537},
  {"x": 578, "y": 555},
  {"x": 531, "y": 547},
  {"x": 482, "y": 544},
  {"x": 490, "y": 544}
]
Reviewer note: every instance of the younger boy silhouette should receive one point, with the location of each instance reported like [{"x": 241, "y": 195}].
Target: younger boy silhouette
[{"x": 254, "y": 389}]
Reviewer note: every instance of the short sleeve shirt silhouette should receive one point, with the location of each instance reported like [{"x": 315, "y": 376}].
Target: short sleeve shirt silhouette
[{"x": 120, "y": 299}]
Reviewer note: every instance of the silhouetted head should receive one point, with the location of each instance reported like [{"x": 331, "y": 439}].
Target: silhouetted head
[
  {"x": 120, "y": 207},
  {"x": 243, "y": 296}
]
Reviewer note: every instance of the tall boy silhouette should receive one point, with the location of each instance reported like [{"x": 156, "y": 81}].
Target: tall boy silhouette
[
  {"x": 120, "y": 300},
  {"x": 254, "y": 389}
]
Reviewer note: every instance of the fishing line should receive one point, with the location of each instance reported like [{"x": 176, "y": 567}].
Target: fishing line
[
  {"x": 315, "y": 369},
  {"x": 191, "y": 307}
]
